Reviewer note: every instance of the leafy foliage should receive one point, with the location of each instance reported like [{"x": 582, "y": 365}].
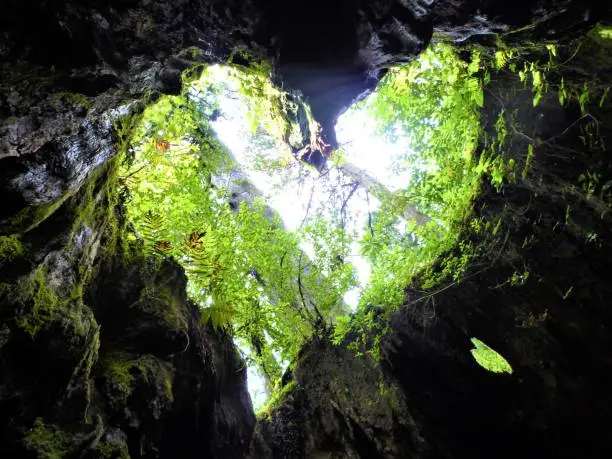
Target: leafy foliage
[
  {"x": 188, "y": 200},
  {"x": 488, "y": 358},
  {"x": 274, "y": 288},
  {"x": 433, "y": 104}
]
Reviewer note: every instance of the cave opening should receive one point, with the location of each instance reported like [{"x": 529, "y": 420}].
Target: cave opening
[
  {"x": 277, "y": 248},
  {"x": 243, "y": 229}
]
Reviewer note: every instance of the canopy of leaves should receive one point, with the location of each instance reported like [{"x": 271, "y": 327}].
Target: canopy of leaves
[
  {"x": 189, "y": 199},
  {"x": 433, "y": 106}
]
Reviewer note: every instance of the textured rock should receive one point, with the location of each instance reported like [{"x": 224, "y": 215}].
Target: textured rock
[
  {"x": 343, "y": 406},
  {"x": 128, "y": 369},
  {"x": 101, "y": 355},
  {"x": 64, "y": 89}
]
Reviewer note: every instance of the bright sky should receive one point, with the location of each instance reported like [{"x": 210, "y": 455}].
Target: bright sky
[{"x": 356, "y": 132}]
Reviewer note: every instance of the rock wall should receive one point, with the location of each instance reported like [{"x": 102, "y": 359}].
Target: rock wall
[{"x": 101, "y": 354}]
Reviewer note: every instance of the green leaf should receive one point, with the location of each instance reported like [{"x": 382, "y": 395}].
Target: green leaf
[{"x": 488, "y": 358}]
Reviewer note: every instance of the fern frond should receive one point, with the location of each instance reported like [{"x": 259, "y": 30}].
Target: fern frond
[
  {"x": 219, "y": 316},
  {"x": 152, "y": 229},
  {"x": 200, "y": 249},
  {"x": 163, "y": 248}
]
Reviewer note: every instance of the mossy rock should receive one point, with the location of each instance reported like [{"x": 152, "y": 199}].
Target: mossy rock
[
  {"x": 164, "y": 305},
  {"x": 112, "y": 445},
  {"x": 131, "y": 380},
  {"x": 48, "y": 441},
  {"x": 74, "y": 99},
  {"x": 38, "y": 302},
  {"x": 11, "y": 248},
  {"x": 32, "y": 216},
  {"x": 39, "y": 307},
  {"x": 277, "y": 399}
]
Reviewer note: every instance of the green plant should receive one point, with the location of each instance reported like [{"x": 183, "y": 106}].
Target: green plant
[
  {"x": 248, "y": 274},
  {"x": 276, "y": 400},
  {"x": 11, "y": 247},
  {"x": 488, "y": 358},
  {"x": 435, "y": 102},
  {"x": 48, "y": 441}
]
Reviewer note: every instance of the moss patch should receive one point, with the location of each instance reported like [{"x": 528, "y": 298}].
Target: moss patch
[
  {"x": 124, "y": 372},
  {"x": 40, "y": 302},
  {"x": 164, "y": 305},
  {"x": 73, "y": 98},
  {"x": 48, "y": 441},
  {"x": 109, "y": 450},
  {"x": 602, "y": 34},
  {"x": 38, "y": 306},
  {"x": 276, "y": 400},
  {"x": 10, "y": 248}
]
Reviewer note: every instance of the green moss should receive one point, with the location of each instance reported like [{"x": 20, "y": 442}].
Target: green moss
[
  {"x": 123, "y": 373},
  {"x": 163, "y": 304},
  {"x": 107, "y": 450},
  {"x": 26, "y": 79},
  {"x": 125, "y": 127},
  {"x": 602, "y": 34},
  {"x": 100, "y": 209},
  {"x": 73, "y": 98},
  {"x": 118, "y": 371},
  {"x": 32, "y": 216},
  {"x": 39, "y": 301},
  {"x": 276, "y": 400},
  {"x": 82, "y": 371},
  {"x": 38, "y": 305},
  {"x": 10, "y": 248},
  {"x": 48, "y": 441}
]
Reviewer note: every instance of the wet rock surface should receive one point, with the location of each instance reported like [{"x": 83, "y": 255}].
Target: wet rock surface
[{"x": 126, "y": 370}]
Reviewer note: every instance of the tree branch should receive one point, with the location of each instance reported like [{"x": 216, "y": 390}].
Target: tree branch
[{"x": 350, "y": 195}]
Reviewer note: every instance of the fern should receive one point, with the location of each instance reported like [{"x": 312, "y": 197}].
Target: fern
[
  {"x": 152, "y": 230},
  {"x": 200, "y": 249},
  {"x": 218, "y": 315}
]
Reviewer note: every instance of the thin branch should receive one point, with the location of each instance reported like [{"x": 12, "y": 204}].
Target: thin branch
[
  {"x": 343, "y": 208},
  {"x": 457, "y": 282},
  {"x": 186, "y": 346},
  {"x": 369, "y": 214},
  {"x": 572, "y": 56},
  {"x": 308, "y": 207},
  {"x": 134, "y": 173},
  {"x": 586, "y": 115}
]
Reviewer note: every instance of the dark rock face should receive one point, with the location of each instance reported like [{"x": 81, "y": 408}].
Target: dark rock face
[
  {"x": 335, "y": 52},
  {"x": 65, "y": 87},
  {"x": 188, "y": 396},
  {"x": 343, "y": 406},
  {"x": 101, "y": 355},
  {"x": 127, "y": 370}
]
